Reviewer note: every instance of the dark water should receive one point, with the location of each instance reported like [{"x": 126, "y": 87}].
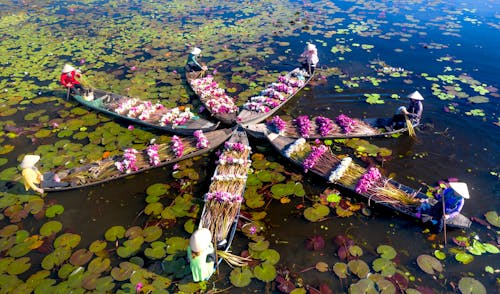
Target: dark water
[{"x": 453, "y": 144}]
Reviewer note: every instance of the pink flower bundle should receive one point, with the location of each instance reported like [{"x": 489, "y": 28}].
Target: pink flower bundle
[
  {"x": 223, "y": 197},
  {"x": 277, "y": 124},
  {"x": 201, "y": 139},
  {"x": 346, "y": 123},
  {"x": 154, "y": 158},
  {"x": 367, "y": 180},
  {"x": 239, "y": 147},
  {"x": 313, "y": 157},
  {"x": 325, "y": 125},
  {"x": 216, "y": 99},
  {"x": 304, "y": 125},
  {"x": 282, "y": 87},
  {"x": 177, "y": 146},
  {"x": 272, "y": 93},
  {"x": 128, "y": 165}
]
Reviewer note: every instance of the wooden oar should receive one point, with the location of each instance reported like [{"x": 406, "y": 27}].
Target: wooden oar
[
  {"x": 444, "y": 219},
  {"x": 67, "y": 94}
]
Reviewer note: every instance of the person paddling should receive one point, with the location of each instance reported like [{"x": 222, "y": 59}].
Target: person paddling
[
  {"x": 201, "y": 255},
  {"x": 192, "y": 63},
  {"x": 32, "y": 177},
  {"x": 69, "y": 80},
  {"x": 311, "y": 58},
  {"x": 413, "y": 111},
  {"x": 453, "y": 203}
]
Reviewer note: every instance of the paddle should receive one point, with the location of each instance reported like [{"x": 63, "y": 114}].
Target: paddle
[
  {"x": 444, "y": 220},
  {"x": 67, "y": 94}
]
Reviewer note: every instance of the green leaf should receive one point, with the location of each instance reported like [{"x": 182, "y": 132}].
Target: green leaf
[
  {"x": 241, "y": 277},
  {"x": 114, "y": 233},
  {"x": 316, "y": 212},
  {"x": 493, "y": 218},
  {"x": 464, "y": 257},
  {"x": 471, "y": 286},
  {"x": 340, "y": 269},
  {"x": 359, "y": 268},
  {"x": 269, "y": 256},
  {"x": 439, "y": 254},
  {"x": 429, "y": 264},
  {"x": 386, "y": 251},
  {"x": 50, "y": 228},
  {"x": 385, "y": 266},
  {"x": 265, "y": 272},
  {"x": 54, "y": 210}
]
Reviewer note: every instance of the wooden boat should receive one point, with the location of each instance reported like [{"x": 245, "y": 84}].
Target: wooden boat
[
  {"x": 215, "y": 100},
  {"x": 178, "y": 120},
  {"x": 351, "y": 176},
  {"x": 115, "y": 167},
  {"x": 326, "y": 128},
  {"x": 271, "y": 99},
  {"x": 222, "y": 202}
]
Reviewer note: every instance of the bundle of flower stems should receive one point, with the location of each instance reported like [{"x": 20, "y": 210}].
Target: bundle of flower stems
[
  {"x": 229, "y": 179},
  {"x": 105, "y": 168},
  {"x": 409, "y": 125},
  {"x": 233, "y": 260},
  {"x": 385, "y": 192}
]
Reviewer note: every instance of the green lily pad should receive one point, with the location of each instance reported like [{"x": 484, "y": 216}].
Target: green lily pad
[
  {"x": 439, "y": 254},
  {"x": 340, "y": 269},
  {"x": 359, "y": 268},
  {"x": 133, "y": 232},
  {"x": 269, "y": 256},
  {"x": 355, "y": 250},
  {"x": 241, "y": 277},
  {"x": 175, "y": 244},
  {"x": 493, "y": 218},
  {"x": 104, "y": 284},
  {"x": 98, "y": 246},
  {"x": 385, "y": 266},
  {"x": 156, "y": 251},
  {"x": 99, "y": 265},
  {"x": 65, "y": 270},
  {"x": 152, "y": 233},
  {"x": 464, "y": 258},
  {"x": 386, "y": 251},
  {"x": 157, "y": 189},
  {"x": 265, "y": 272},
  {"x": 429, "y": 264},
  {"x": 8, "y": 230},
  {"x": 190, "y": 288},
  {"x": 67, "y": 240},
  {"x": 365, "y": 286},
  {"x": 189, "y": 226},
  {"x": 259, "y": 246},
  {"x": 50, "y": 227},
  {"x": 114, "y": 233},
  {"x": 469, "y": 285},
  {"x": 19, "y": 250},
  {"x": 124, "y": 271},
  {"x": 54, "y": 210},
  {"x": 19, "y": 266},
  {"x": 316, "y": 212},
  {"x": 154, "y": 208}
]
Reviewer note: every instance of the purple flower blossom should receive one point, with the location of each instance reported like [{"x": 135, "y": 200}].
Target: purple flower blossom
[
  {"x": 346, "y": 123},
  {"x": 325, "y": 125},
  {"x": 304, "y": 125},
  {"x": 313, "y": 157},
  {"x": 367, "y": 180},
  {"x": 277, "y": 124}
]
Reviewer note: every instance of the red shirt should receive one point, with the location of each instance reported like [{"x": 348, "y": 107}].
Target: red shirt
[{"x": 68, "y": 79}]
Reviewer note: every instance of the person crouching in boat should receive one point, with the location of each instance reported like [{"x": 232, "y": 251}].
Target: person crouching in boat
[
  {"x": 201, "y": 255},
  {"x": 413, "y": 111},
  {"x": 32, "y": 177},
  {"x": 192, "y": 63},
  {"x": 69, "y": 80},
  {"x": 453, "y": 203},
  {"x": 311, "y": 59}
]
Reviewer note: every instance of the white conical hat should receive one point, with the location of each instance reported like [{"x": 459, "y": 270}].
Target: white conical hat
[
  {"x": 461, "y": 189},
  {"x": 29, "y": 161},
  {"x": 200, "y": 240},
  {"x": 67, "y": 68},
  {"x": 196, "y": 51},
  {"x": 311, "y": 46},
  {"x": 416, "y": 96}
]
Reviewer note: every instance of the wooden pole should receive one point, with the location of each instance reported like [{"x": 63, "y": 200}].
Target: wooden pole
[
  {"x": 67, "y": 94},
  {"x": 444, "y": 219}
]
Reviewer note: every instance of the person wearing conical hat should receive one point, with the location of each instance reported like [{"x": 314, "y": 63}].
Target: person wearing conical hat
[
  {"x": 201, "y": 255},
  {"x": 454, "y": 197},
  {"x": 192, "y": 63},
  {"x": 69, "y": 76},
  {"x": 32, "y": 177},
  {"x": 311, "y": 58},
  {"x": 413, "y": 111}
]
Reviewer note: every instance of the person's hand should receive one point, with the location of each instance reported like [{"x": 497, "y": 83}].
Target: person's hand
[
  {"x": 446, "y": 216},
  {"x": 204, "y": 67},
  {"x": 39, "y": 190}
]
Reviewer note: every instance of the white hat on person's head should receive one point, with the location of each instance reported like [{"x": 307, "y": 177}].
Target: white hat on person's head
[
  {"x": 200, "y": 240},
  {"x": 29, "y": 161},
  {"x": 196, "y": 51},
  {"x": 311, "y": 46},
  {"x": 461, "y": 189},
  {"x": 416, "y": 96},
  {"x": 67, "y": 68}
]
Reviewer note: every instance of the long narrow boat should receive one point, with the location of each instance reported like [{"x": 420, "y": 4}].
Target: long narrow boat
[
  {"x": 178, "y": 120},
  {"x": 368, "y": 183},
  {"x": 321, "y": 127},
  {"x": 271, "y": 99},
  {"x": 223, "y": 200},
  {"x": 214, "y": 98},
  {"x": 134, "y": 161}
]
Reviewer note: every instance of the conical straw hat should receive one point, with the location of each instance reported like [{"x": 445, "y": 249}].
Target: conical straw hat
[
  {"x": 200, "y": 240},
  {"x": 416, "y": 96},
  {"x": 196, "y": 51},
  {"x": 29, "y": 161},
  {"x": 67, "y": 68},
  {"x": 461, "y": 189}
]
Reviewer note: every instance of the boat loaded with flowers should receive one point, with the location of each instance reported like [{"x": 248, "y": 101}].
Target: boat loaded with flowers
[
  {"x": 134, "y": 161},
  {"x": 321, "y": 127},
  {"x": 225, "y": 194},
  {"x": 178, "y": 120},
  {"x": 344, "y": 172},
  {"x": 269, "y": 100},
  {"x": 214, "y": 98}
]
